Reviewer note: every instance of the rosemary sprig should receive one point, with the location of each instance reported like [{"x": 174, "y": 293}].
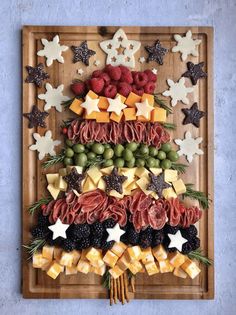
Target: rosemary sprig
[
  {"x": 196, "y": 195},
  {"x": 106, "y": 280},
  {"x": 67, "y": 104},
  {"x": 181, "y": 168},
  {"x": 35, "y": 245},
  {"x": 67, "y": 123},
  {"x": 97, "y": 161},
  {"x": 197, "y": 254},
  {"x": 162, "y": 104},
  {"x": 169, "y": 126},
  {"x": 38, "y": 204},
  {"x": 54, "y": 160}
]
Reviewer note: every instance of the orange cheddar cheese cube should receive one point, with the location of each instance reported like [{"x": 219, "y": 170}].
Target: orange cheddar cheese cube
[
  {"x": 148, "y": 97},
  {"x": 123, "y": 263},
  {"x": 158, "y": 115},
  {"x": 147, "y": 256},
  {"x": 83, "y": 266},
  {"x": 57, "y": 253},
  {"x": 66, "y": 259},
  {"x": 116, "y": 272},
  {"x": 94, "y": 254},
  {"x": 118, "y": 248},
  {"x": 165, "y": 266},
  {"x": 99, "y": 270},
  {"x": 122, "y": 98},
  {"x": 132, "y": 99},
  {"x": 152, "y": 268},
  {"x": 178, "y": 272},
  {"x": 176, "y": 259},
  {"x": 143, "y": 119},
  {"x": 115, "y": 117},
  {"x": 135, "y": 267},
  {"x": 40, "y": 262},
  {"x": 191, "y": 268},
  {"x": 54, "y": 270},
  {"x": 76, "y": 256},
  {"x": 103, "y": 103},
  {"x": 75, "y": 106},
  {"x": 71, "y": 270},
  {"x": 93, "y": 115},
  {"x": 47, "y": 252},
  {"x": 102, "y": 117},
  {"x": 110, "y": 258},
  {"x": 91, "y": 94},
  {"x": 130, "y": 114},
  {"x": 159, "y": 252},
  {"x": 133, "y": 253}
]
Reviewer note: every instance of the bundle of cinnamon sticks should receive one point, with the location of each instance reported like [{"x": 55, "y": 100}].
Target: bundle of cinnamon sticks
[{"x": 119, "y": 289}]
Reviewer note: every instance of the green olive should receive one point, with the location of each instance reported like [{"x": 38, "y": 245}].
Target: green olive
[
  {"x": 108, "y": 154},
  {"x": 69, "y": 143},
  {"x": 157, "y": 163},
  {"x": 107, "y": 163},
  {"x": 127, "y": 155},
  {"x": 89, "y": 145},
  {"x": 119, "y": 162},
  {"x": 78, "y": 148},
  {"x": 166, "y": 164},
  {"x": 150, "y": 162},
  {"x": 161, "y": 155},
  {"x": 69, "y": 153},
  {"x": 166, "y": 147},
  {"x": 130, "y": 163},
  {"x": 81, "y": 159},
  {"x": 144, "y": 149},
  {"x": 153, "y": 151},
  {"x": 91, "y": 155},
  {"x": 68, "y": 161},
  {"x": 173, "y": 156},
  {"x": 118, "y": 149},
  {"x": 132, "y": 146},
  {"x": 107, "y": 146},
  {"x": 140, "y": 162},
  {"x": 98, "y": 148}
]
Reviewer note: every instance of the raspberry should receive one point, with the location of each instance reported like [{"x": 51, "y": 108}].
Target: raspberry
[
  {"x": 137, "y": 90},
  {"x": 105, "y": 78},
  {"x": 110, "y": 91},
  {"x": 78, "y": 88},
  {"x": 151, "y": 76},
  {"x": 133, "y": 73},
  {"x": 96, "y": 73},
  {"x": 97, "y": 85},
  {"x": 124, "y": 89},
  {"x": 124, "y": 69},
  {"x": 149, "y": 88},
  {"x": 140, "y": 79},
  {"x": 126, "y": 77},
  {"x": 113, "y": 72},
  {"x": 114, "y": 82}
]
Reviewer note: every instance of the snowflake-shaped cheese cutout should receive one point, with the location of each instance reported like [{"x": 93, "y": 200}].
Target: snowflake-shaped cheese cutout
[
  {"x": 120, "y": 50},
  {"x": 189, "y": 146},
  {"x": 52, "y": 50},
  {"x": 44, "y": 144},
  {"x": 53, "y": 97},
  {"x": 186, "y": 45},
  {"x": 178, "y": 91}
]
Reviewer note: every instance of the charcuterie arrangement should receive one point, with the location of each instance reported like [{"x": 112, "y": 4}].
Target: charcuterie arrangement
[{"x": 116, "y": 206}]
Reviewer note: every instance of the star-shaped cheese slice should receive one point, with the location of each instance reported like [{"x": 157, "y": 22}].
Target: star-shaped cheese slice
[
  {"x": 91, "y": 105},
  {"x": 120, "y": 50},
  {"x": 186, "y": 45},
  {"x": 115, "y": 233},
  {"x": 154, "y": 70},
  {"x": 58, "y": 229},
  {"x": 178, "y": 91},
  {"x": 52, "y": 50},
  {"x": 176, "y": 240},
  {"x": 115, "y": 105},
  {"x": 144, "y": 109},
  {"x": 142, "y": 59}
]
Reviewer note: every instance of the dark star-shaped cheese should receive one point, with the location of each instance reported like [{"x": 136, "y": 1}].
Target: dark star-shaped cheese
[
  {"x": 157, "y": 184},
  {"x": 36, "y": 117},
  {"x": 74, "y": 180},
  {"x": 156, "y": 52},
  {"x": 36, "y": 75},
  {"x": 194, "y": 72},
  {"x": 114, "y": 181},
  {"x": 82, "y": 53},
  {"x": 192, "y": 115}
]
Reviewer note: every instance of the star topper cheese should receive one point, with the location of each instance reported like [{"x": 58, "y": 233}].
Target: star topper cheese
[
  {"x": 176, "y": 240},
  {"x": 115, "y": 105},
  {"x": 91, "y": 105},
  {"x": 115, "y": 233},
  {"x": 58, "y": 229},
  {"x": 186, "y": 45},
  {"x": 144, "y": 109}
]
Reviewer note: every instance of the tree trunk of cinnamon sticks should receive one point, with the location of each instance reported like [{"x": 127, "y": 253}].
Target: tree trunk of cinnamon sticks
[{"x": 119, "y": 289}]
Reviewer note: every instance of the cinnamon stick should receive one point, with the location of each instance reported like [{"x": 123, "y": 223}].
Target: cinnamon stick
[
  {"x": 115, "y": 291},
  {"x": 132, "y": 282},
  {"x": 126, "y": 287},
  {"x": 118, "y": 289},
  {"x": 122, "y": 290},
  {"x": 111, "y": 291}
]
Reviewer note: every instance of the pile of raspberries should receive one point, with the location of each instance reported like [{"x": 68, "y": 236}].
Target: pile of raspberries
[{"x": 112, "y": 80}]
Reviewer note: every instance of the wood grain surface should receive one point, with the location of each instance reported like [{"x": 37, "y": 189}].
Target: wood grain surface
[{"x": 35, "y": 283}]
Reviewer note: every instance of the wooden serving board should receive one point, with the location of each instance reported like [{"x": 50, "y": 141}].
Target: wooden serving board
[{"x": 36, "y": 284}]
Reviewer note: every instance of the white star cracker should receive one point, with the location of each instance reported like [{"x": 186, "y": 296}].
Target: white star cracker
[
  {"x": 144, "y": 109},
  {"x": 115, "y": 233},
  {"x": 176, "y": 240},
  {"x": 80, "y": 71},
  {"x": 58, "y": 229},
  {"x": 154, "y": 70},
  {"x": 44, "y": 144},
  {"x": 115, "y": 105},
  {"x": 91, "y": 105},
  {"x": 142, "y": 60},
  {"x": 53, "y": 97},
  {"x": 189, "y": 146},
  {"x": 186, "y": 45},
  {"x": 178, "y": 91},
  {"x": 120, "y": 41},
  {"x": 52, "y": 50}
]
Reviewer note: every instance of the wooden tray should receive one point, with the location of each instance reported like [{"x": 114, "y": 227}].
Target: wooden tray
[{"x": 36, "y": 284}]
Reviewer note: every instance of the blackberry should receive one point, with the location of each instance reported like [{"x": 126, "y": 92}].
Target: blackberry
[
  {"x": 195, "y": 243},
  {"x": 79, "y": 231},
  {"x": 157, "y": 238},
  {"x": 170, "y": 229},
  {"x": 189, "y": 233},
  {"x": 97, "y": 229},
  {"x": 39, "y": 232},
  {"x": 96, "y": 242},
  {"x": 166, "y": 243},
  {"x": 186, "y": 248},
  {"x": 83, "y": 244},
  {"x": 109, "y": 224},
  {"x": 57, "y": 242},
  {"x": 145, "y": 238},
  {"x": 106, "y": 245},
  {"x": 43, "y": 220},
  {"x": 68, "y": 245},
  {"x": 132, "y": 236}
]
